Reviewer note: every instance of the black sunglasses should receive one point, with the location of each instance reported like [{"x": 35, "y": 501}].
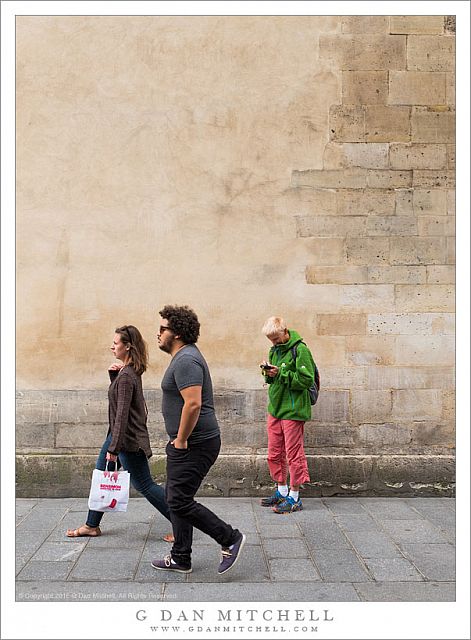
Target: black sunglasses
[{"x": 162, "y": 329}]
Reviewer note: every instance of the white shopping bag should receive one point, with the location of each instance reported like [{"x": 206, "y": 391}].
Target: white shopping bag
[{"x": 109, "y": 491}]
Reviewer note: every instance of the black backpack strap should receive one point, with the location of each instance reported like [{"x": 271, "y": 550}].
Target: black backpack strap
[{"x": 294, "y": 349}]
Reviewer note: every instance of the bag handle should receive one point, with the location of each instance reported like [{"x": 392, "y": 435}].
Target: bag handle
[{"x": 115, "y": 463}]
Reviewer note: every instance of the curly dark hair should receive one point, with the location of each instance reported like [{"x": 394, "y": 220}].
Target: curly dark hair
[{"x": 183, "y": 321}]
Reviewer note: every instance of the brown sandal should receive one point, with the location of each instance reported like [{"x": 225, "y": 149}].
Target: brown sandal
[
  {"x": 168, "y": 537},
  {"x": 92, "y": 532}
]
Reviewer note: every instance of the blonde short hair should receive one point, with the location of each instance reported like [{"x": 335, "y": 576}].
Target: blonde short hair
[{"x": 273, "y": 325}]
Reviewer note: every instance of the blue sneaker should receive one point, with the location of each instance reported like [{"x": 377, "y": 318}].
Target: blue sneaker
[
  {"x": 230, "y": 555},
  {"x": 289, "y": 505},
  {"x": 273, "y": 500}
]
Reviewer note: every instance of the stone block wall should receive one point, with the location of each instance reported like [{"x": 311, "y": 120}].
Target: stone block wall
[
  {"x": 385, "y": 297},
  {"x": 362, "y": 254}
]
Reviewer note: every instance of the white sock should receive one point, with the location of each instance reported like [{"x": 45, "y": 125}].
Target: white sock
[
  {"x": 283, "y": 489},
  {"x": 294, "y": 495}
]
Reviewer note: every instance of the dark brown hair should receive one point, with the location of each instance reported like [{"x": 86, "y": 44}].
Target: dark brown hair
[
  {"x": 183, "y": 321},
  {"x": 138, "y": 355}
]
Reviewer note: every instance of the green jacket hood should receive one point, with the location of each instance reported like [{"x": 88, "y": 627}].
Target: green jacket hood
[{"x": 294, "y": 338}]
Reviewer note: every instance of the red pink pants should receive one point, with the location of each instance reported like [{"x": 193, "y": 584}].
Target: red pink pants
[{"x": 286, "y": 451}]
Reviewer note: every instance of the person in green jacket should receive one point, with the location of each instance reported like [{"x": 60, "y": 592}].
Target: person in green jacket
[{"x": 289, "y": 406}]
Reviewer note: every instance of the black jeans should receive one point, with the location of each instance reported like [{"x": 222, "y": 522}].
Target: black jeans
[{"x": 186, "y": 470}]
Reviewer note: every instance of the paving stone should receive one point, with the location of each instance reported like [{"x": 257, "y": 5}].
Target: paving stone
[
  {"x": 225, "y": 503},
  {"x": 442, "y": 516},
  {"x": 327, "y": 536},
  {"x": 78, "y": 504},
  {"x": 436, "y": 561},
  {"x": 59, "y": 535},
  {"x": 45, "y": 571},
  {"x": 50, "y": 510},
  {"x": 384, "y": 510},
  {"x": 445, "y": 521},
  {"x": 144, "y": 516},
  {"x": 406, "y": 592},
  {"x": 227, "y": 513},
  {"x": 71, "y": 520},
  {"x": 344, "y": 505},
  {"x": 252, "y": 537},
  {"x": 373, "y": 545},
  {"x": 118, "y": 522},
  {"x": 23, "y": 507},
  {"x": 155, "y": 549},
  {"x": 161, "y": 527},
  {"x": 25, "y": 548},
  {"x": 243, "y": 521},
  {"x": 88, "y": 592},
  {"x": 20, "y": 562},
  {"x": 275, "y": 592},
  {"x": 29, "y": 541},
  {"x": 357, "y": 522},
  {"x": 413, "y": 531},
  {"x": 429, "y": 505},
  {"x": 41, "y": 521},
  {"x": 392, "y": 570},
  {"x": 293, "y": 569},
  {"x": 123, "y": 536},
  {"x": 310, "y": 517},
  {"x": 285, "y": 549},
  {"x": 59, "y": 552},
  {"x": 340, "y": 566},
  {"x": 267, "y": 516},
  {"x": 451, "y": 503},
  {"x": 56, "y": 503},
  {"x": 27, "y": 503},
  {"x": 282, "y": 529},
  {"x": 106, "y": 564}
]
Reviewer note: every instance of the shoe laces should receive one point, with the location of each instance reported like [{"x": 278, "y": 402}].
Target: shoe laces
[
  {"x": 225, "y": 553},
  {"x": 168, "y": 560}
]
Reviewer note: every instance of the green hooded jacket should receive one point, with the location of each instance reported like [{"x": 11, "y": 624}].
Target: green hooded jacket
[{"x": 288, "y": 395}]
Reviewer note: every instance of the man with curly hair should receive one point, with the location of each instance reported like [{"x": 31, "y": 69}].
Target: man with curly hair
[{"x": 194, "y": 442}]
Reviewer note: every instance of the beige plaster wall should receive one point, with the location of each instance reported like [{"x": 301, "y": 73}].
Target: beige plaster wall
[{"x": 154, "y": 156}]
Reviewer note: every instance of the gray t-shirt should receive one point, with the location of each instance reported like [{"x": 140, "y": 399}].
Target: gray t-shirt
[{"x": 188, "y": 368}]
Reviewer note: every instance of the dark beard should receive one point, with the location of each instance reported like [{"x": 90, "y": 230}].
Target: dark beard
[{"x": 165, "y": 348}]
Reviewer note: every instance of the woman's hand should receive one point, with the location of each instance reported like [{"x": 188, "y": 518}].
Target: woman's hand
[
  {"x": 117, "y": 366},
  {"x": 111, "y": 457},
  {"x": 272, "y": 372}
]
